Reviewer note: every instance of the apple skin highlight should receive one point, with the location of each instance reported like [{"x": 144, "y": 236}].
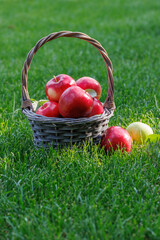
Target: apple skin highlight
[
  {"x": 115, "y": 138},
  {"x": 97, "y": 108},
  {"x": 49, "y": 109},
  {"x": 90, "y": 83},
  {"x": 75, "y": 102},
  {"x": 57, "y": 85}
]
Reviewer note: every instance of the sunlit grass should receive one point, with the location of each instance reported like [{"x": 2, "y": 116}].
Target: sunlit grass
[{"x": 81, "y": 192}]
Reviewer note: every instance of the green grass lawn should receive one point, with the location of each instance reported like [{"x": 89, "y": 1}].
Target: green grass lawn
[{"x": 80, "y": 193}]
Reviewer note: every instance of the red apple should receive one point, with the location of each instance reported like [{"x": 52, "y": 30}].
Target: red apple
[
  {"x": 116, "y": 138},
  {"x": 97, "y": 108},
  {"x": 57, "y": 85},
  {"x": 75, "y": 102},
  {"x": 90, "y": 83},
  {"x": 49, "y": 109}
]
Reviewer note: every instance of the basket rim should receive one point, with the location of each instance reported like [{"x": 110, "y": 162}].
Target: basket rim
[{"x": 32, "y": 116}]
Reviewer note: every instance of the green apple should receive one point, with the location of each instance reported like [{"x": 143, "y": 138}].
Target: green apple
[{"x": 139, "y": 132}]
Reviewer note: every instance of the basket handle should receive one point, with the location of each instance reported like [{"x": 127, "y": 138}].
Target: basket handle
[{"x": 26, "y": 102}]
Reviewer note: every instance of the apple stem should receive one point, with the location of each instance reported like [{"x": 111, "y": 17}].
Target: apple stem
[{"x": 55, "y": 78}]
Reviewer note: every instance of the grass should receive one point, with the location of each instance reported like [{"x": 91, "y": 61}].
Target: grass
[{"x": 80, "y": 193}]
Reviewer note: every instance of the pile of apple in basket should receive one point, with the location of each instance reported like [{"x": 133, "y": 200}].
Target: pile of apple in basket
[
  {"x": 75, "y": 99},
  {"x": 72, "y": 99}
]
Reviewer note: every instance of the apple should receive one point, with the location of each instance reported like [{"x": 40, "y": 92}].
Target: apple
[
  {"x": 139, "y": 131},
  {"x": 88, "y": 83},
  {"x": 115, "y": 138},
  {"x": 75, "y": 102},
  {"x": 57, "y": 85},
  {"x": 49, "y": 109},
  {"x": 97, "y": 108}
]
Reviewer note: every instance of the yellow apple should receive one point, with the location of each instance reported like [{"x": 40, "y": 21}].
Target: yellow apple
[{"x": 139, "y": 131}]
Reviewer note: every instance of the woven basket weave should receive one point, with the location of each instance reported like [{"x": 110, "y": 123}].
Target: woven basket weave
[{"x": 64, "y": 131}]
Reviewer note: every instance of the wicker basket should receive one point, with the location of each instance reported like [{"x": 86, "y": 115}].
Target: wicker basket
[{"x": 64, "y": 131}]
